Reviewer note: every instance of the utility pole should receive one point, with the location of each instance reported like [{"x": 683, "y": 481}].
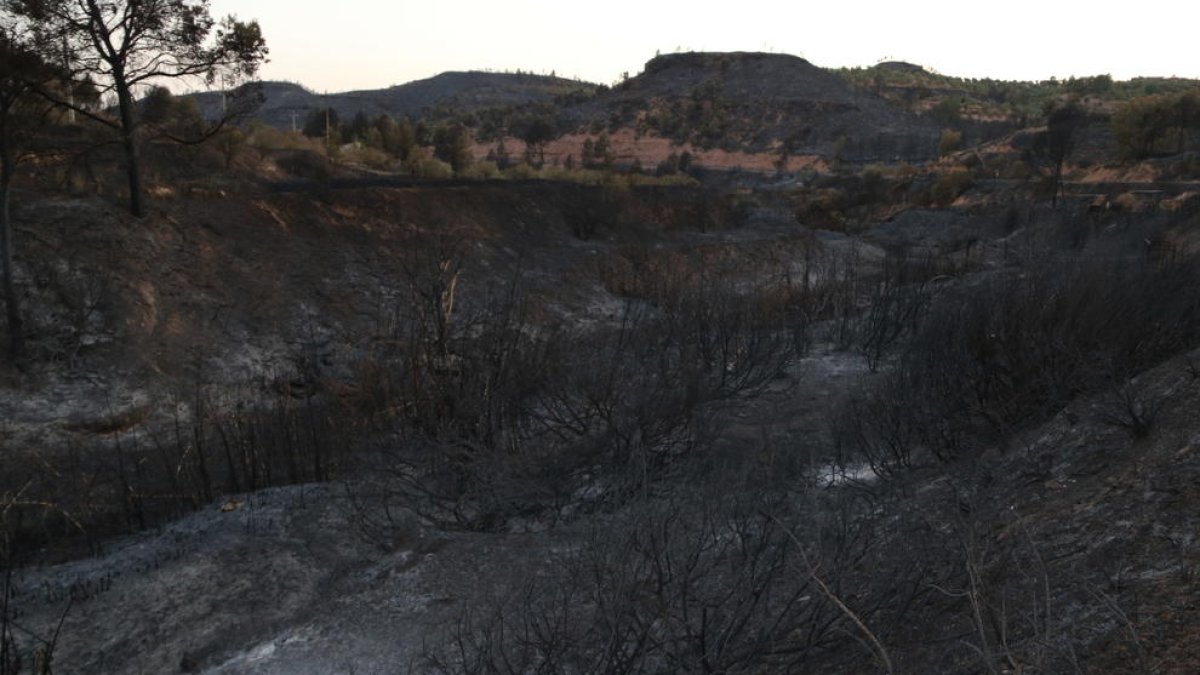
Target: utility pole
[
  {"x": 328, "y": 131},
  {"x": 70, "y": 90},
  {"x": 227, "y": 82},
  {"x": 294, "y": 113}
]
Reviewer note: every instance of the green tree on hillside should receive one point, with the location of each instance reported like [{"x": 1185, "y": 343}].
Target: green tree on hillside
[
  {"x": 399, "y": 138},
  {"x": 537, "y": 132},
  {"x": 356, "y": 128},
  {"x": 602, "y": 151},
  {"x": 320, "y": 122},
  {"x": 229, "y": 142},
  {"x": 1187, "y": 118},
  {"x": 170, "y": 114},
  {"x": 1143, "y": 125},
  {"x": 452, "y": 145},
  {"x": 500, "y": 155},
  {"x": 423, "y": 133},
  {"x": 386, "y": 130},
  {"x": 588, "y": 151},
  {"x": 948, "y": 111},
  {"x": 1097, "y": 85}
]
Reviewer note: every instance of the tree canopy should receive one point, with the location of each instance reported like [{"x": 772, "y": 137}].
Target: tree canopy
[
  {"x": 124, "y": 45},
  {"x": 1064, "y": 124},
  {"x": 1160, "y": 123}
]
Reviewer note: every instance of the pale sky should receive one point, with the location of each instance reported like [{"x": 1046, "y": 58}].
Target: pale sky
[{"x": 369, "y": 44}]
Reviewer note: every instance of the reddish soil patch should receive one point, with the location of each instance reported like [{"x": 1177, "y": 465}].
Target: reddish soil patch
[{"x": 628, "y": 147}]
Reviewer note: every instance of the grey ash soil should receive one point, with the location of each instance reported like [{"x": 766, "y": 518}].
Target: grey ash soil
[
  {"x": 278, "y": 582},
  {"x": 284, "y": 580},
  {"x": 289, "y": 580}
]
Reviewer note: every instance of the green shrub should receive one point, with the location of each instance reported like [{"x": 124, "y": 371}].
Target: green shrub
[
  {"x": 485, "y": 170},
  {"x": 521, "y": 171},
  {"x": 1016, "y": 169},
  {"x": 305, "y": 164},
  {"x": 995, "y": 357},
  {"x": 947, "y": 111},
  {"x": 265, "y": 137},
  {"x": 429, "y": 167},
  {"x": 1156, "y": 124},
  {"x": 372, "y": 158},
  {"x": 950, "y": 186},
  {"x": 950, "y": 141},
  {"x": 676, "y": 180}
]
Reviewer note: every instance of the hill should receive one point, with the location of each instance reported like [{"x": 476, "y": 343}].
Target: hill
[
  {"x": 920, "y": 89},
  {"x": 754, "y": 104},
  {"x": 760, "y": 102},
  {"x": 461, "y": 91},
  {"x": 757, "y": 111}
]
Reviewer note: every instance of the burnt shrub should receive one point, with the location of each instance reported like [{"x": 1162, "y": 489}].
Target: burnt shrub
[
  {"x": 493, "y": 415},
  {"x": 1011, "y": 351}
]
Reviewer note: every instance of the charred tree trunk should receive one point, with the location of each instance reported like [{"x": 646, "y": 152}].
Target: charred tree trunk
[
  {"x": 16, "y": 337},
  {"x": 133, "y": 169}
]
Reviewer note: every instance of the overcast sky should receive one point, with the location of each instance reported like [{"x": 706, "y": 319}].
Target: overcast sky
[{"x": 367, "y": 44}]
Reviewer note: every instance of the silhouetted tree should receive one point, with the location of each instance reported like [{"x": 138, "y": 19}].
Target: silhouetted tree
[
  {"x": 125, "y": 44},
  {"x": 537, "y": 132},
  {"x": 1063, "y": 126},
  {"x": 601, "y": 152},
  {"x": 1098, "y": 85},
  {"x": 356, "y": 129},
  {"x": 422, "y": 133},
  {"x": 502, "y": 156},
  {"x": 398, "y": 138},
  {"x": 685, "y": 162},
  {"x": 452, "y": 145},
  {"x": 320, "y": 122},
  {"x": 1187, "y": 113}
]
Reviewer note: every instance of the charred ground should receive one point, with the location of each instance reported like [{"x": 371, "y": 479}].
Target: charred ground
[{"x": 310, "y": 417}]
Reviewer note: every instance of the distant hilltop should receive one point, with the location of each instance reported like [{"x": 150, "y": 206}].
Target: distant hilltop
[
  {"x": 733, "y": 101},
  {"x": 901, "y": 67},
  {"x": 758, "y": 102},
  {"x": 285, "y": 102},
  {"x": 732, "y": 108}
]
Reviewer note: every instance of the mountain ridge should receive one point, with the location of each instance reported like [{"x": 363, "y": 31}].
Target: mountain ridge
[
  {"x": 734, "y": 101},
  {"x": 464, "y": 90}
]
